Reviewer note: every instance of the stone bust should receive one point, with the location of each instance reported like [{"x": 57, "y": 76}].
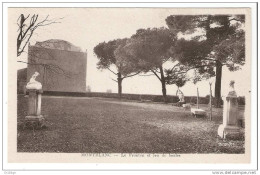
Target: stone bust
[
  {"x": 232, "y": 92},
  {"x": 33, "y": 84}
]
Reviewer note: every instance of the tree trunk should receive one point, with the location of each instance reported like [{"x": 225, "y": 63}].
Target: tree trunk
[
  {"x": 198, "y": 98},
  {"x": 163, "y": 85},
  {"x": 210, "y": 101},
  {"x": 218, "y": 84},
  {"x": 119, "y": 82},
  {"x": 18, "y": 46}
]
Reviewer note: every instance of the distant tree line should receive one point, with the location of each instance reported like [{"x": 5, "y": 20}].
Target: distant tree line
[{"x": 218, "y": 40}]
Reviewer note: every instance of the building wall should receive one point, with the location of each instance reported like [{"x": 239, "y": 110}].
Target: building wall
[
  {"x": 21, "y": 80},
  {"x": 60, "y": 70}
]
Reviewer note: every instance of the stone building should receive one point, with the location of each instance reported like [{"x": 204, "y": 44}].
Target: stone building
[
  {"x": 62, "y": 66},
  {"x": 21, "y": 80}
]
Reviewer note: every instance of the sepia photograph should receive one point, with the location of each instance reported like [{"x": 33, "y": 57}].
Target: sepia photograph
[{"x": 129, "y": 85}]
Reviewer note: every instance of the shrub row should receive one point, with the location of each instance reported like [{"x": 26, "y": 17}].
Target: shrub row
[{"x": 139, "y": 97}]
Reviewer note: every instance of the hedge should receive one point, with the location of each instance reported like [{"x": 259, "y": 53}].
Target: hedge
[{"x": 138, "y": 97}]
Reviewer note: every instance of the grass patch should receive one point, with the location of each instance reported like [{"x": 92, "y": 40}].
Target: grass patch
[{"x": 90, "y": 125}]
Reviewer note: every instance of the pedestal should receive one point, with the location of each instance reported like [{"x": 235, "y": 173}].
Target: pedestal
[
  {"x": 34, "y": 118},
  {"x": 229, "y": 128},
  {"x": 229, "y": 132}
]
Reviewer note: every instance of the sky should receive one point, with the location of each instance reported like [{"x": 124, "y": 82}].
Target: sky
[{"x": 86, "y": 27}]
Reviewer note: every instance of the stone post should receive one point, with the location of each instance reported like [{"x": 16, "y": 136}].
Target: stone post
[
  {"x": 39, "y": 103},
  {"x": 32, "y": 103},
  {"x": 229, "y": 128},
  {"x": 34, "y": 117}
]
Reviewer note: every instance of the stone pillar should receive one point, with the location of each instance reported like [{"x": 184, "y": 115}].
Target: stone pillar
[
  {"x": 39, "y": 104},
  {"x": 34, "y": 117},
  {"x": 229, "y": 128},
  {"x": 32, "y": 102}
]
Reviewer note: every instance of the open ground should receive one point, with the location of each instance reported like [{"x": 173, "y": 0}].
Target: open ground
[{"x": 99, "y": 125}]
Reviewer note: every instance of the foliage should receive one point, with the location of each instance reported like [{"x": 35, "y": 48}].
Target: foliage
[
  {"x": 221, "y": 40},
  {"x": 176, "y": 76},
  {"x": 105, "y": 53},
  {"x": 108, "y": 55},
  {"x": 148, "y": 49},
  {"x": 125, "y": 67},
  {"x": 231, "y": 52}
]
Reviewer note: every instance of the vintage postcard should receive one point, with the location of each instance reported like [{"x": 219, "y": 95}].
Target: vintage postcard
[{"x": 129, "y": 85}]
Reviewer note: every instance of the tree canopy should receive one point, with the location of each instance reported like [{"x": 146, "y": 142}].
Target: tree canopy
[
  {"x": 106, "y": 53},
  {"x": 220, "y": 41},
  {"x": 148, "y": 50},
  {"x": 215, "y": 41},
  {"x": 220, "y": 38}
]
